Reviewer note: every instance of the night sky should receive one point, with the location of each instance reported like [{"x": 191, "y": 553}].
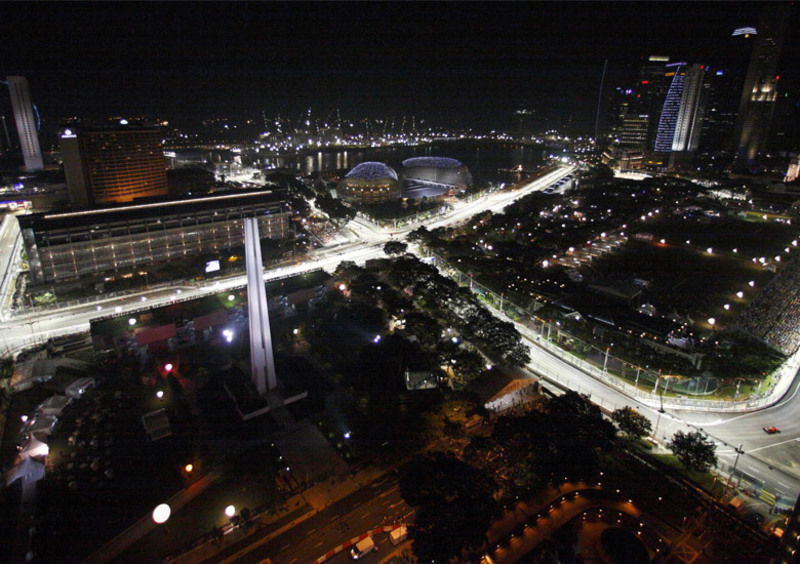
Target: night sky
[{"x": 452, "y": 63}]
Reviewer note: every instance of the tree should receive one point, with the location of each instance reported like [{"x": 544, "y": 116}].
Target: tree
[
  {"x": 454, "y": 506},
  {"x": 395, "y": 248},
  {"x": 694, "y": 450},
  {"x": 335, "y": 208},
  {"x": 418, "y": 235},
  {"x": 631, "y": 422}
]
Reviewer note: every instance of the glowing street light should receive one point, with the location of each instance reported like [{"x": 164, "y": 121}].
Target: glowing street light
[
  {"x": 740, "y": 294},
  {"x": 161, "y": 513},
  {"x": 132, "y": 321},
  {"x": 230, "y": 511},
  {"x": 752, "y": 283},
  {"x": 712, "y": 321},
  {"x": 168, "y": 367},
  {"x": 160, "y": 394},
  {"x": 726, "y": 307},
  {"x": 188, "y": 468}
]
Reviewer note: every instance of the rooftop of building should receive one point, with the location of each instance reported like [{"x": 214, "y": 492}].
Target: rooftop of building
[
  {"x": 149, "y": 207},
  {"x": 372, "y": 171},
  {"x": 433, "y": 162}
]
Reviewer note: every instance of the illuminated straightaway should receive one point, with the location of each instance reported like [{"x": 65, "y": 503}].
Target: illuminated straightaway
[
  {"x": 37, "y": 326},
  {"x": 10, "y": 244}
]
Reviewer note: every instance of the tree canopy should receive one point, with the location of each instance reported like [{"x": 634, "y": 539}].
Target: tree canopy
[
  {"x": 395, "y": 248},
  {"x": 631, "y": 422},
  {"x": 694, "y": 450},
  {"x": 563, "y": 441},
  {"x": 454, "y": 506}
]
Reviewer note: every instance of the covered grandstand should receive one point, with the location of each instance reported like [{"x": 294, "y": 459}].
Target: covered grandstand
[{"x": 431, "y": 177}]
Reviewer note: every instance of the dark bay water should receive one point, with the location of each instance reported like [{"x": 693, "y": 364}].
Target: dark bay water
[{"x": 483, "y": 158}]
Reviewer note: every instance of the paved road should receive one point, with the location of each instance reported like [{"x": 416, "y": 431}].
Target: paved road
[
  {"x": 364, "y": 510},
  {"x": 729, "y": 430},
  {"x": 10, "y": 245}
]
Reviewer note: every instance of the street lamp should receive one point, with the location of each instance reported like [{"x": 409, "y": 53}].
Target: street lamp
[
  {"x": 161, "y": 513},
  {"x": 230, "y": 511},
  {"x": 739, "y": 452}
]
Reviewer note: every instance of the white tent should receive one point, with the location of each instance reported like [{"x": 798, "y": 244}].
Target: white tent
[
  {"x": 34, "y": 447},
  {"x": 27, "y": 469}
]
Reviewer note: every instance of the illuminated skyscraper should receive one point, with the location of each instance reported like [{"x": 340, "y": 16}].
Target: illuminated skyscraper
[
  {"x": 113, "y": 164},
  {"x": 687, "y": 126},
  {"x": 669, "y": 112},
  {"x": 759, "y": 92},
  {"x": 26, "y": 123},
  {"x": 679, "y": 126}
]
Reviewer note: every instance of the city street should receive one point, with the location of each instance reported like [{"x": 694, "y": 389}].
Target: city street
[{"x": 376, "y": 504}]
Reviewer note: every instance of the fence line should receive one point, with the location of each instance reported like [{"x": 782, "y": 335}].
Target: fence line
[{"x": 782, "y": 381}]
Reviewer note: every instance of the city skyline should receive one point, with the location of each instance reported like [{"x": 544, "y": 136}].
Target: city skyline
[{"x": 451, "y": 63}]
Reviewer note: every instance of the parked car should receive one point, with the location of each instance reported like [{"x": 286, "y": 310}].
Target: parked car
[{"x": 771, "y": 430}]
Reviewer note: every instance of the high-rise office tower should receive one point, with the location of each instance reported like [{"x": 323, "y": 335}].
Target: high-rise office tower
[
  {"x": 26, "y": 123},
  {"x": 687, "y": 126},
  {"x": 639, "y": 106},
  {"x": 679, "y": 126},
  {"x": 719, "y": 117},
  {"x": 672, "y": 105},
  {"x": 759, "y": 92},
  {"x": 113, "y": 164}
]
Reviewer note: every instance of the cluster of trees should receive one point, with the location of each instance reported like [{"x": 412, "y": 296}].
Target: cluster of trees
[
  {"x": 454, "y": 505},
  {"x": 436, "y": 348},
  {"x": 335, "y": 208},
  {"x": 693, "y": 449},
  {"x": 563, "y": 440},
  {"x": 500, "y": 340},
  {"x": 456, "y": 501}
]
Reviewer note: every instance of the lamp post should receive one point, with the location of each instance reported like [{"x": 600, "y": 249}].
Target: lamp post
[
  {"x": 660, "y": 411},
  {"x": 739, "y": 452}
]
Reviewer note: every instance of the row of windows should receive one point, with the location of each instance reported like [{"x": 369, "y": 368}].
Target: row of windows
[
  {"x": 120, "y": 229},
  {"x": 71, "y": 260}
]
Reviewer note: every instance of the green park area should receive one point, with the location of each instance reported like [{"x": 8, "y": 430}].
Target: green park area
[{"x": 660, "y": 278}]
